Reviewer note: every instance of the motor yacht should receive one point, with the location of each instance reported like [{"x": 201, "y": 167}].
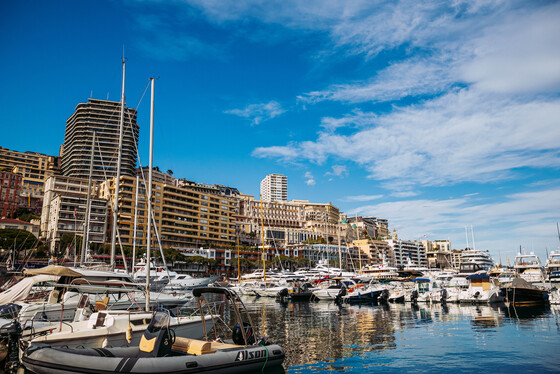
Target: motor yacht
[
  {"x": 529, "y": 267},
  {"x": 552, "y": 263},
  {"x": 473, "y": 260},
  {"x": 482, "y": 289}
]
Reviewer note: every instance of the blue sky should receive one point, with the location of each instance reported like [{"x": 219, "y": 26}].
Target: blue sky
[{"x": 435, "y": 115}]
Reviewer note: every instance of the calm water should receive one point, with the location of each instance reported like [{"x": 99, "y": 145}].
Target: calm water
[{"x": 320, "y": 336}]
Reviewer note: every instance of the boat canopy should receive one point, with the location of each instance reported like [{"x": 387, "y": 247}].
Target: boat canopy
[
  {"x": 421, "y": 280},
  {"x": 21, "y": 290},
  {"x": 478, "y": 276},
  {"x": 60, "y": 271},
  {"x": 197, "y": 291}
]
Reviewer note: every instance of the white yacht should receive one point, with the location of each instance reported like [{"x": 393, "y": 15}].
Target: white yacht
[
  {"x": 473, "y": 260},
  {"x": 379, "y": 271},
  {"x": 529, "y": 267},
  {"x": 553, "y": 264}
]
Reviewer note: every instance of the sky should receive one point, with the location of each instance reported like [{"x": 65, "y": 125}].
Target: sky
[{"x": 436, "y": 115}]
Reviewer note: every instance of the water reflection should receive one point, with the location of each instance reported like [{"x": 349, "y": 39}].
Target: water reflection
[{"x": 326, "y": 336}]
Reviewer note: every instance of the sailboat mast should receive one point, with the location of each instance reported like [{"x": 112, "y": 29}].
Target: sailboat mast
[
  {"x": 467, "y": 236},
  {"x": 262, "y": 239},
  {"x": 339, "y": 250},
  {"x": 88, "y": 205},
  {"x": 473, "y": 243},
  {"x": 118, "y": 178},
  {"x": 359, "y": 249},
  {"x": 135, "y": 224},
  {"x": 149, "y": 198}
]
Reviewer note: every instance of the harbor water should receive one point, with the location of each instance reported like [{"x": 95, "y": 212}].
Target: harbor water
[{"x": 423, "y": 338}]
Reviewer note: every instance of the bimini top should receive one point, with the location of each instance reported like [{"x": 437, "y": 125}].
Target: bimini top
[
  {"x": 478, "y": 276},
  {"x": 54, "y": 270},
  {"x": 421, "y": 280},
  {"x": 197, "y": 291}
]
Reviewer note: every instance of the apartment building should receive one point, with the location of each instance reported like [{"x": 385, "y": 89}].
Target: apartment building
[
  {"x": 10, "y": 187},
  {"x": 322, "y": 219},
  {"x": 274, "y": 187},
  {"x": 103, "y": 118},
  {"x": 186, "y": 215},
  {"x": 157, "y": 175},
  {"x": 34, "y": 168},
  {"x": 283, "y": 222},
  {"x": 64, "y": 211},
  {"x": 406, "y": 252}
]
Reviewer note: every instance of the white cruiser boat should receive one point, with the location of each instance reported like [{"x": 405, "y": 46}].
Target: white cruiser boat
[
  {"x": 529, "y": 267},
  {"x": 379, "y": 271},
  {"x": 473, "y": 260},
  {"x": 482, "y": 289},
  {"x": 115, "y": 329},
  {"x": 168, "y": 280},
  {"x": 115, "y": 290},
  {"x": 333, "y": 288},
  {"x": 552, "y": 263}
]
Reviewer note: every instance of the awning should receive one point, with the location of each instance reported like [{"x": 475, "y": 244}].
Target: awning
[{"x": 60, "y": 271}]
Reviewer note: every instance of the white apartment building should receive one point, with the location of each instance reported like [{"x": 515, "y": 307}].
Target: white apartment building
[
  {"x": 403, "y": 250},
  {"x": 64, "y": 210},
  {"x": 274, "y": 187}
]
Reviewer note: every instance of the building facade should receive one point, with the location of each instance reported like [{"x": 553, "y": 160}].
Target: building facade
[
  {"x": 185, "y": 216},
  {"x": 157, "y": 175},
  {"x": 34, "y": 168},
  {"x": 64, "y": 211},
  {"x": 274, "y": 187},
  {"x": 103, "y": 118},
  {"x": 10, "y": 187}
]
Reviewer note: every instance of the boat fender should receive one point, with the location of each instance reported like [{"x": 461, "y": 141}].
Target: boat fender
[
  {"x": 476, "y": 294},
  {"x": 129, "y": 334}
]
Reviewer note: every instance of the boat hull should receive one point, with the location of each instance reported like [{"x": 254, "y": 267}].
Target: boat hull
[
  {"x": 524, "y": 296},
  {"x": 47, "y": 360}
]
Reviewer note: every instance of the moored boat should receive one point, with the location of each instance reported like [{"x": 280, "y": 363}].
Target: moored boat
[
  {"x": 521, "y": 292},
  {"x": 160, "y": 351}
]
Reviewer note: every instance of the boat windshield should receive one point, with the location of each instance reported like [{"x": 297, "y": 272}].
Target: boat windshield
[{"x": 159, "y": 321}]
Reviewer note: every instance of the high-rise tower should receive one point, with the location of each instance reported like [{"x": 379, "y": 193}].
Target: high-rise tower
[
  {"x": 274, "y": 187},
  {"x": 103, "y": 117}
]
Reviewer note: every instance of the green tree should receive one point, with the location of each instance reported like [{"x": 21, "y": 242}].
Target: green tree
[{"x": 17, "y": 240}]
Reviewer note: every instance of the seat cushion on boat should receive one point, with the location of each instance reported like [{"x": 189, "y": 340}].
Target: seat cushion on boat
[{"x": 192, "y": 346}]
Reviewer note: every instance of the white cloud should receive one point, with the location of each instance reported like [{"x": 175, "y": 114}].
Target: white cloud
[
  {"x": 465, "y": 135},
  {"x": 338, "y": 171},
  {"x": 526, "y": 218},
  {"x": 309, "y": 179},
  {"x": 258, "y": 113},
  {"x": 361, "y": 198}
]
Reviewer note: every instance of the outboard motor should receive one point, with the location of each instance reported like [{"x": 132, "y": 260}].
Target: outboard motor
[
  {"x": 443, "y": 295},
  {"x": 384, "y": 295},
  {"x": 340, "y": 295},
  {"x": 10, "y": 335},
  {"x": 414, "y": 296},
  {"x": 282, "y": 295},
  {"x": 9, "y": 310},
  {"x": 237, "y": 334}
]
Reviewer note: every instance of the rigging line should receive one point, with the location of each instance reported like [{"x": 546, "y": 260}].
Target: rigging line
[{"x": 113, "y": 203}]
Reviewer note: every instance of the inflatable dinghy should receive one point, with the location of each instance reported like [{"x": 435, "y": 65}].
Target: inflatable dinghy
[{"x": 160, "y": 351}]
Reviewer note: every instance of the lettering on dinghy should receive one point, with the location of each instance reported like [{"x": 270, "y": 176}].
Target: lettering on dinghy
[{"x": 250, "y": 355}]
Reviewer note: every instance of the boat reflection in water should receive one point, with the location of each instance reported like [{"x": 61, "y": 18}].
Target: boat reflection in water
[{"x": 402, "y": 336}]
